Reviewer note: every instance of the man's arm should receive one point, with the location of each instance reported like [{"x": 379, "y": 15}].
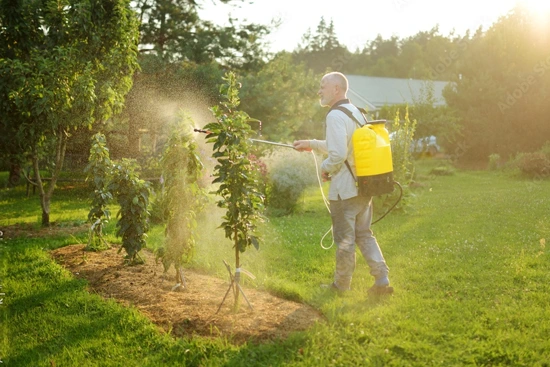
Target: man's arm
[{"x": 309, "y": 145}]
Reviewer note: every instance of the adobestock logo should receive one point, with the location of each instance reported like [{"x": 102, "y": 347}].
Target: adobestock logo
[{"x": 523, "y": 87}]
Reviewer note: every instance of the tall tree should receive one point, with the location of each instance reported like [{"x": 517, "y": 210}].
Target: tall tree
[
  {"x": 503, "y": 87},
  {"x": 283, "y": 95},
  {"x": 322, "y": 51},
  {"x": 182, "y": 59},
  {"x": 64, "y": 65},
  {"x": 173, "y": 30}
]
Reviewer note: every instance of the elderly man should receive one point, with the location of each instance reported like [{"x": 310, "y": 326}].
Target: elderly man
[{"x": 351, "y": 214}]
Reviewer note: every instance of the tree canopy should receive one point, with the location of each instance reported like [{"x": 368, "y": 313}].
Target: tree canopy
[
  {"x": 498, "y": 76},
  {"x": 498, "y": 80},
  {"x": 501, "y": 87},
  {"x": 173, "y": 30},
  {"x": 64, "y": 65}
]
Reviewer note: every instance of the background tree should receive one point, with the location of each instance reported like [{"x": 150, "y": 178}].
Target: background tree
[
  {"x": 502, "y": 87},
  {"x": 160, "y": 90},
  {"x": 283, "y": 95},
  {"x": 172, "y": 30},
  {"x": 322, "y": 51},
  {"x": 182, "y": 58},
  {"x": 63, "y": 65}
]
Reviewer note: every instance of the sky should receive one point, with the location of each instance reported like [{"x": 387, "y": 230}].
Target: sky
[{"x": 356, "y": 22}]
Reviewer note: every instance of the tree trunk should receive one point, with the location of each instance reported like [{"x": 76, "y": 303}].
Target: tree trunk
[
  {"x": 45, "y": 203},
  {"x": 47, "y": 192},
  {"x": 15, "y": 175},
  {"x": 44, "y": 199}
]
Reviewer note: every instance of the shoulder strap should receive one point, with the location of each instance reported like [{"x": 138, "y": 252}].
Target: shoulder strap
[
  {"x": 350, "y": 114},
  {"x": 350, "y": 171}
]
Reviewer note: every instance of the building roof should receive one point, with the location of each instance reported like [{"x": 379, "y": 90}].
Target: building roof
[{"x": 374, "y": 92}]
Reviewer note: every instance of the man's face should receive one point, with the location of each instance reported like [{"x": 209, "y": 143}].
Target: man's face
[{"x": 327, "y": 92}]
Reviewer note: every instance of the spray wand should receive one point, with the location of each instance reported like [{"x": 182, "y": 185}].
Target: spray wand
[{"x": 253, "y": 140}]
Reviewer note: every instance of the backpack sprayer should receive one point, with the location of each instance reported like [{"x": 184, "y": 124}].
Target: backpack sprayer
[{"x": 373, "y": 159}]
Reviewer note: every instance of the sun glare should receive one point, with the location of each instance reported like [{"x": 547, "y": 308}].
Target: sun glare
[
  {"x": 539, "y": 11},
  {"x": 537, "y": 6}
]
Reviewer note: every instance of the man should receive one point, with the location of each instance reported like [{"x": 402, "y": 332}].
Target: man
[{"x": 351, "y": 214}]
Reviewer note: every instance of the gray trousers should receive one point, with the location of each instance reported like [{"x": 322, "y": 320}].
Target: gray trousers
[{"x": 351, "y": 221}]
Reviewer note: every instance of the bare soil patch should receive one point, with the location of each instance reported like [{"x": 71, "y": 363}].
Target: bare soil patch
[{"x": 190, "y": 311}]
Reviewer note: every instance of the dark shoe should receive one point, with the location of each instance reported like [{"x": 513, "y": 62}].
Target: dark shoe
[
  {"x": 333, "y": 288},
  {"x": 379, "y": 290}
]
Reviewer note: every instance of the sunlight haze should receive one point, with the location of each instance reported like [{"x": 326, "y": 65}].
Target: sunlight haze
[{"x": 357, "y": 22}]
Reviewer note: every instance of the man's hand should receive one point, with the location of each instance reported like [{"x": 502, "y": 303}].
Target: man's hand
[{"x": 302, "y": 145}]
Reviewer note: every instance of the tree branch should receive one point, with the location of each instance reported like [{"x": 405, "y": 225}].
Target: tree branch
[
  {"x": 59, "y": 158},
  {"x": 28, "y": 178}
]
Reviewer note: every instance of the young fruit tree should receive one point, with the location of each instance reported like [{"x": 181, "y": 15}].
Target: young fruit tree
[
  {"x": 238, "y": 179},
  {"x": 64, "y": 65},
  {"x": 99, "y": 170},
  {"x": 118, "y": 180},
  {"x": 132, "y": 194},
  {"x": 182, "y": 197}
]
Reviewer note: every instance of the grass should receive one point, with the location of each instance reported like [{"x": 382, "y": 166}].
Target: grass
[
  {"x": 469, "y": 263},
  {"x": 69, "y": 203}
]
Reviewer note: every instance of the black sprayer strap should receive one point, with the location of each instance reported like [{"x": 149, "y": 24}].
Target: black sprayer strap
[{"x": 350, "y": 171}]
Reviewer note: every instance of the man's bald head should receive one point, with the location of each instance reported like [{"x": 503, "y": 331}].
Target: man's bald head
[
  {"x": 334, "y": 87},
  {"x": 338, "y": 79}
]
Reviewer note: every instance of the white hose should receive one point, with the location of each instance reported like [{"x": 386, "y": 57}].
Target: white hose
[{"x": 325, "y": 201}]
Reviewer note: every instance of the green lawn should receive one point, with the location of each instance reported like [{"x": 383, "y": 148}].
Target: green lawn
[{"x": 468, "y": 261}]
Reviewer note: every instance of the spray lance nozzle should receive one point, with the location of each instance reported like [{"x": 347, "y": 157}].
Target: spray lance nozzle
[
  {"x": 201, "y": 131},
  {"x": 253, "y": 140}
]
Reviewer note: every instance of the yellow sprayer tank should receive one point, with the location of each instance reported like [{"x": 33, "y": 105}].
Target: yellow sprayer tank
[
  {"x": 372, "y": 149},
  {"x": 373, "y": 159}
]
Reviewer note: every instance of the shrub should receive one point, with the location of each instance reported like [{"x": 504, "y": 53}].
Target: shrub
[
  {"x": 402, "y": 138},
  {"x": 546, "y": 149},
  {"x": 534, "y": 164},
  {"x": 290, "y": 173}
]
